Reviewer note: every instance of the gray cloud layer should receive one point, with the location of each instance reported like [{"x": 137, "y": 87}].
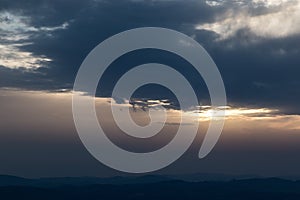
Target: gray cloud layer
[{"x": 258, "y": 69}]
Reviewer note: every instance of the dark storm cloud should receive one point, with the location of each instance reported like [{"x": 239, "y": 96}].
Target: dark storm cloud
[
  {"x": 257, "y": 71},
  {"x": 260, "y": 74}
]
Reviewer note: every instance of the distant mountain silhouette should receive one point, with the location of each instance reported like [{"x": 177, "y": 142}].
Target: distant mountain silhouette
[
  {"x": 146, "y": 187},
  {"x": 79, "y": 181},
  {"x": 6, "y": 180}
]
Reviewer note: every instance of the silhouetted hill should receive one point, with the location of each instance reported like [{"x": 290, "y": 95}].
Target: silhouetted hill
[
  {"x": 79, "y": 181},
  {"x": 148, "y": 187},
  {"x": 6, "y": 180},
  {"x": 245, "y": 189}
]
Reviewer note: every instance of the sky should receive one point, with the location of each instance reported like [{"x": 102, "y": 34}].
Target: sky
[{"x": 254, "y": 43}]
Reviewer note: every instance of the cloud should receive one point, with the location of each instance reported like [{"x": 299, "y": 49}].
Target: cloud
[
  {"x": 257, "y": 71},
  {"x": 281, "y": 22},
  {"x": 214, "y": 3},
  {"x": 269, "y": 3},
  {"x": 12, "y": 57},
  {"x": 16, "y": 32}
]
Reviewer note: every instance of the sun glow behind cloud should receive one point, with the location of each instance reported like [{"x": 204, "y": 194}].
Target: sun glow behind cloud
[
  {"x": 204, "y": 113},
  {"x": 44, "y": 104}
]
